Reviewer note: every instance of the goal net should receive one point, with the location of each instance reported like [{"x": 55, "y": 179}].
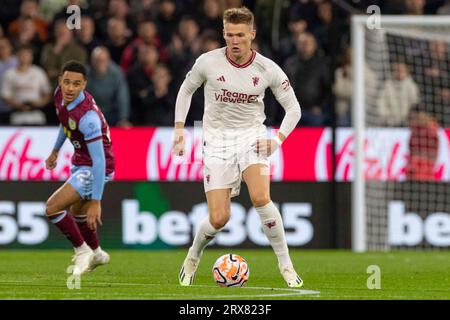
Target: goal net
[{"x": 401, "y": 122}]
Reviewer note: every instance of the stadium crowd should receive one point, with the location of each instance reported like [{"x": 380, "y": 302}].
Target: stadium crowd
[{"x": 139, "y": 52}]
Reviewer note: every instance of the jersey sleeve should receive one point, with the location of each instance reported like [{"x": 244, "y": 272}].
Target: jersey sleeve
[
  {"x": 91, "y": 126},
  {"x": 97, "y": 155},
  {"x": 194, "y": 79},
  {"x": 60, "y": 139},
  {"x": 285, "y": 95}
]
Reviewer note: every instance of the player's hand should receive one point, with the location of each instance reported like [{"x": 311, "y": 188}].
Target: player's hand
[
  {"x": 178, "y": 142},
  {"x": 50, "y": 162},
  {"x": 265, "y": 147},
  {"x": 94, "y": 214}
]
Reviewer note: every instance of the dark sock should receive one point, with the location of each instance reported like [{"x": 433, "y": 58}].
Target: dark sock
[
  {"x": 89, "y": 235},
  {"x": 66, "y": 224}
]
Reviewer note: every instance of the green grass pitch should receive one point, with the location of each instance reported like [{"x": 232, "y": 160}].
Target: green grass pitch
[{"x": 139, "y": 274}]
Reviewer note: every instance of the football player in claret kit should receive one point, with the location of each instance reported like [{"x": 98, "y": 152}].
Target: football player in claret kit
[
  {"x": 235, "y": 146},
  {"x": 75, "y": 208}
]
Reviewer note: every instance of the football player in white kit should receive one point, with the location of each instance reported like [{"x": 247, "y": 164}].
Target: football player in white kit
[{"x": 235, "y": 145}]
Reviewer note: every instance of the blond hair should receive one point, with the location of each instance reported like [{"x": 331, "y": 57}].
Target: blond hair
[{"x": 239, "y": 15}]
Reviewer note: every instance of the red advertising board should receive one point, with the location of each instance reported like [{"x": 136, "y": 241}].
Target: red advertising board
[{"x": 145, "y": 154}]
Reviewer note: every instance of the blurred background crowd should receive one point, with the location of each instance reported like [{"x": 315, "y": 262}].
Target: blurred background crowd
[{"x": 139, "y": 52}]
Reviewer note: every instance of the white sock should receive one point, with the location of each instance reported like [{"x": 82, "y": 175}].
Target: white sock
[
  {"x": 274, "y": 230},
  {"x": 206, "y": 232},
  {"x": 83, "y": 247},
  {"x": 97, "y": 250}
]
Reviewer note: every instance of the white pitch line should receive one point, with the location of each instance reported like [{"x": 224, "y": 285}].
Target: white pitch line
[{"x": 285, "y": 292}]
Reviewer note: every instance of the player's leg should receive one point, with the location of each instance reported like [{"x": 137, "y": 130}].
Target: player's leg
[
  {"x": 218, "y": 215},
  {"x": 221, "y": 182},
  {"x": 79, "y": 210},
  {"x": 57, "y": 212},
  {"x": 258, "y": 184}
]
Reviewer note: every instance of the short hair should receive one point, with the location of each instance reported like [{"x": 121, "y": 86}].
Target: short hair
[
  {"x": 239, "y": 15},
  {"x": 74, "y": 66}
]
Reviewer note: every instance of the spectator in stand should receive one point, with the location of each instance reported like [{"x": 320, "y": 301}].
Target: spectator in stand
[
  {"x": 140, "y": 82},
  {"x": 343, "y": 87},
  {"x": 436, "y": 72},
  {"x": 296, "y": 26},
  {"x": 397, "y": 97},
  {"x": 28, "y": 36},
  {"x": 209, "y": 41},
  {"x": 211, "y": 15},
  {"x": 143, "y": 9},
  {"x": 48, "y": 9},
  {"x": 414, "y": 7},
  {"x": 160, "y": 105},
  {"x": 86, "y": 34},
  {"x": 118, "y": 38},
  {"x": 423, "y": 147},
  {"x": 343, "y": 90},
  {"x": 167, "y": 20},
  {"x": 233, "y": 3},
  {"x": 118, "y": 9},
  {"x": 64, "y": 15},
  {"x": 147, "y": 35},
  {"x": 185, "y": 48},
  {"x": 309, "y": 73},
  {"x": 445, "y": 8},
  {"x": 26, "y": 90},
  {"x": 324, "y": 30},
  {"x": 29, "y": 9},
  {"x": 64, "y": 48},
  {"x": 306, "y": 10},
  {"x": 108, "y": 85},
  {"x": 434, "y": 82},
  {"x": 9, "y": 10},
  {"x": 7, "y": 61}
]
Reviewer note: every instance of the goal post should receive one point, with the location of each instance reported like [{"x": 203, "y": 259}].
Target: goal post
[
  {"x": 401, "y": 81},
  {"x": 358, "y": 204}
]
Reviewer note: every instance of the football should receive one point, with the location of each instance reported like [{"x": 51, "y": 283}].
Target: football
[{"x": 231, "y": 270}]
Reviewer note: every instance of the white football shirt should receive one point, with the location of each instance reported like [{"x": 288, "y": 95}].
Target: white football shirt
[{"x": 234, "y": 93}]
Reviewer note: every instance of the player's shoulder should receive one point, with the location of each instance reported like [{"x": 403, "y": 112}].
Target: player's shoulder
[
  {"x": 264, "y": 63},
  {"x": 211, "y": 56},
  {"x": 89, "y": 100},
  {"x": 88, "y": 103}
]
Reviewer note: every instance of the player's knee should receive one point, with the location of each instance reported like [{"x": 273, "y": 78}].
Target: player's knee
[
  {"x": 260, "y": 200},
  {"x": 50, "y": 207},
  {"x": 219, "y": 219}
]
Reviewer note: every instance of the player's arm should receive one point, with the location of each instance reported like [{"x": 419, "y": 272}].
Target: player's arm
[
  {"x": 285, "y": 95},
  {"x": 91, "y": 127},
  {"x": 194, "y": 79},
  {"x": 50, "y": 162}
]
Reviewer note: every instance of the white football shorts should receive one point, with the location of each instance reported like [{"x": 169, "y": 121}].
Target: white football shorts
[{"x": 226, "y": 159}]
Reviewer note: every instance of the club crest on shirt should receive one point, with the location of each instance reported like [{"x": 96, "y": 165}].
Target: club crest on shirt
[
  {"x": 286, "y": 84},
  {"x": 255, "y": 81},
  {"x": 72, "y": 124}
]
